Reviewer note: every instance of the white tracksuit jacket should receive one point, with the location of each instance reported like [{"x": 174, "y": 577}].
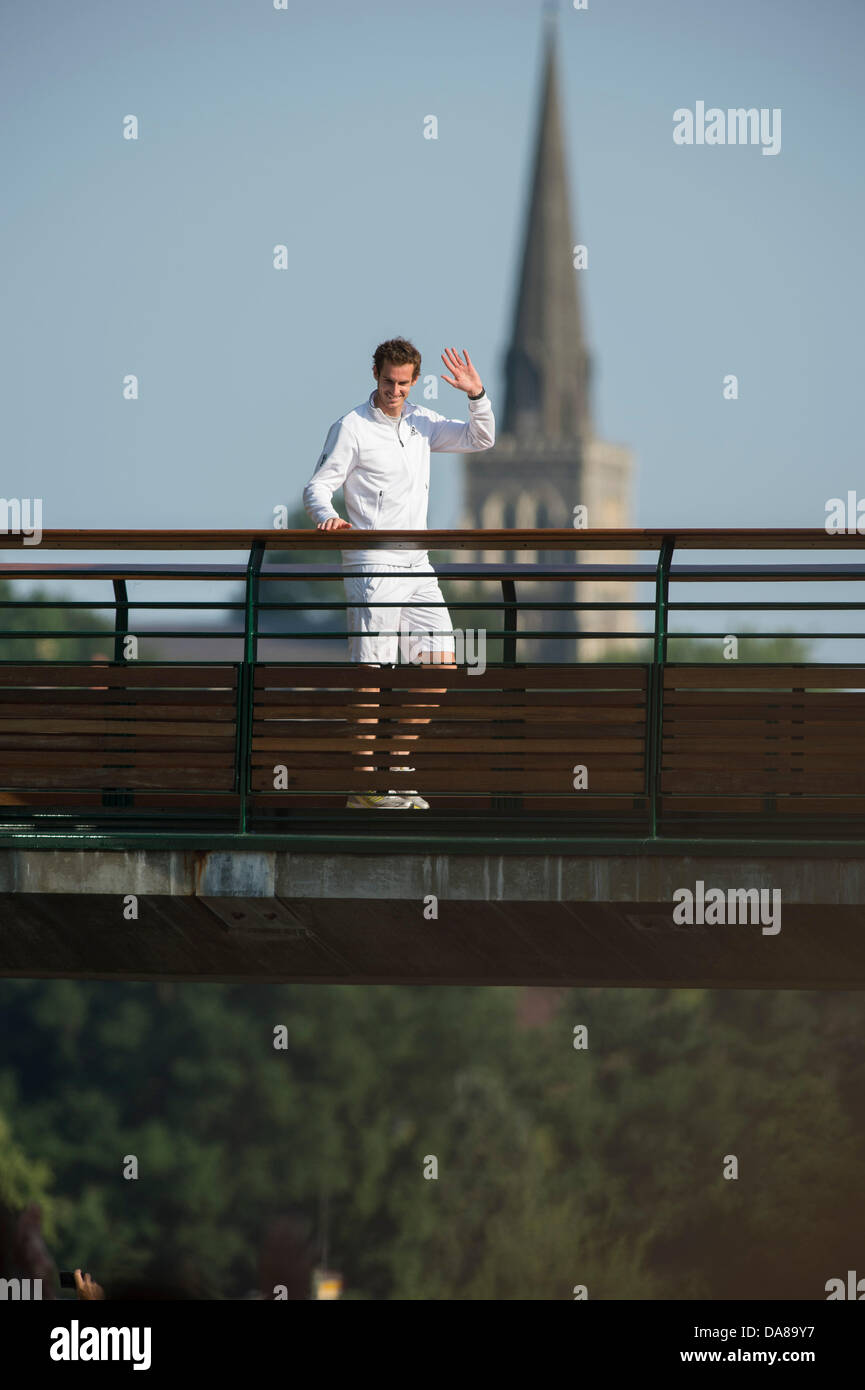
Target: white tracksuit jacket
[{"x": 383, "y": 464}]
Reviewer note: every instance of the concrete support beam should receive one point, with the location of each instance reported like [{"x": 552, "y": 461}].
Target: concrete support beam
[
  {"x": 589, "y": 877},
  {"x": 353, "y": 918}
]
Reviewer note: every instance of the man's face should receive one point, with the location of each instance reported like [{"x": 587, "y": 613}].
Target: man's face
[{"x": 394, "y": 384}]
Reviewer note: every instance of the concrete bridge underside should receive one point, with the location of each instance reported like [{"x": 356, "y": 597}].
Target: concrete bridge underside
[{"x": 576, "y": 919}]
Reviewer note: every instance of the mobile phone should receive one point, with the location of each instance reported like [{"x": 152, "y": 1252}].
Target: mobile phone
[{"x": 67, "y": 1279}]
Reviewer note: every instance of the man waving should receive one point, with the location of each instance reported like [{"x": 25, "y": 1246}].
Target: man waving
[{"x": 379, "y": 453}]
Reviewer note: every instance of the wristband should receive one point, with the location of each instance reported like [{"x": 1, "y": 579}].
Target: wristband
[{"x": 482, "y": 392}]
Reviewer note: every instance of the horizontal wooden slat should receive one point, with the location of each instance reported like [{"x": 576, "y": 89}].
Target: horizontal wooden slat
[
  {"x": 131, "y": 676},
  {"x": 625, "y": 803},
  {"x": 446, "y": 748},
  {"x": 817, "y": 808},
  {"x": 211, "y": 779},
  {"x": 171, "y": 799},
  {"x": 106, "y": 745},
  {"x": 785, "y": 702},
  {"x": 455, "y": 714},
  {"x": 731, "y": 805},
  {"x": 117, "y": 727},
  {"x": 730, "y": 742},
  {"x": 822, "y": 805},
  {"x": 612, "y": 677},
  {"x": 851, "y": 710},
  {"x": 213, "y": 703},
  {"x": 120, "y": 757},
  {"x": 457, "y": 779},
  {"x": 460, "y": 736},
  {"x": 287, "y": 806},
  {"x": 121, "y": 709},
  {"x": 739, "y": 677},
  {"x": 441, "y": 762},
  {"x": 803, "y": 763},
  {"x": 588, "y": 804},
  {"x": 567, "y": 733},
  {"x": 754, "y": 780},
  {"x": 781, "y": 728},
  {"x": 298, "y": 700}
]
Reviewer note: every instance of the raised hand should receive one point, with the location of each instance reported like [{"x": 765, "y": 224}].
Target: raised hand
[
  {"x": 87, "y": 1287},
  {"x": 463, "y": 375}
]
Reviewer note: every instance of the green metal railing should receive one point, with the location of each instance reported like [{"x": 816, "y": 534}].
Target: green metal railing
[{"x": 44, "y": 825}]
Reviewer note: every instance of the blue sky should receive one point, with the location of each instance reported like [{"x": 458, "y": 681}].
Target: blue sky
[{"x": 305, "y": 127}]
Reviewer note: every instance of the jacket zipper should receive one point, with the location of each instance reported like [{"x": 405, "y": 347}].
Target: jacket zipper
[
  {"x": 377, "y": 511},
  {"x": 405, "y": 460}
]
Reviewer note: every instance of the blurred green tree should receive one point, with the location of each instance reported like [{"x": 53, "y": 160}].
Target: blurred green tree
[
  {"x": 557, "y": 1167},
  {"x": 49, "y": 624}
]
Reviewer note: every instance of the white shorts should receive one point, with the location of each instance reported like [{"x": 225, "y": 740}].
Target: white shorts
[{"x": 379, "y": 635}]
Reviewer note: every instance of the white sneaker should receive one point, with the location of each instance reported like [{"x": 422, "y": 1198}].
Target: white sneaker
[
  {"x": 376, "y": 801},
  {"x": 415, "y": 800}
]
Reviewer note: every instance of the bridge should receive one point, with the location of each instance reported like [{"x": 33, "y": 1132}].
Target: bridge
[{"x": 184, "y": 816}]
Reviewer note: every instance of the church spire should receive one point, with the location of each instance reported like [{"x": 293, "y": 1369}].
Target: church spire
[{"x": 547, "y": 364}]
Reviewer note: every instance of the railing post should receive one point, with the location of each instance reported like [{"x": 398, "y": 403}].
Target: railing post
[
  {"x": 508, "y": 801},
  {"x": 509, "y": 645},
  {"x": 121, "y": 618},
  {"x": 655, "y": 712},
  {"x": 119, "y": 796},
  {"x": 246, "y": 683}
]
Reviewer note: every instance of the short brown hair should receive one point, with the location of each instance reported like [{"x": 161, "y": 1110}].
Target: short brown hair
[{"x": 398, "y": 351}]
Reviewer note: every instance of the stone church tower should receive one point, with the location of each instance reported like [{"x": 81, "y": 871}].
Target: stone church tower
[{"x": 547, "y": 459}]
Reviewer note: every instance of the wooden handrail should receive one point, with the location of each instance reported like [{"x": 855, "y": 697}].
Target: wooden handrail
[{"x": 707, "y": 538}]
